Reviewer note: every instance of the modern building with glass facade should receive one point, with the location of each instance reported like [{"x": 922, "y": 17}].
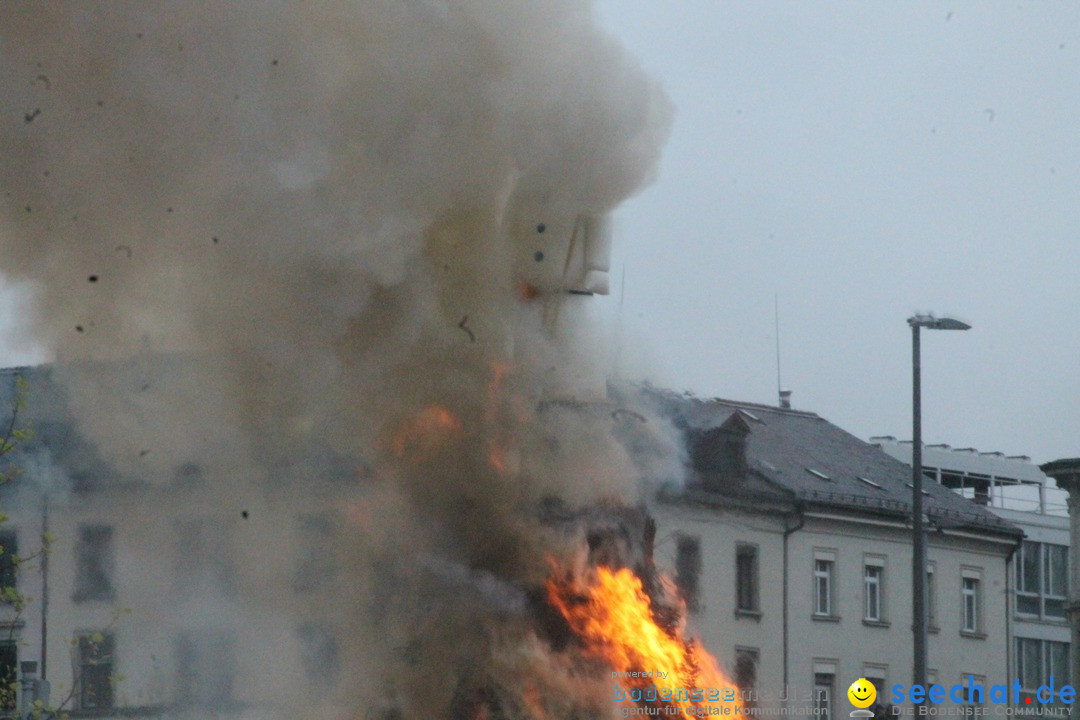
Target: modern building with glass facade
[{"x": 1016, "y": 489}]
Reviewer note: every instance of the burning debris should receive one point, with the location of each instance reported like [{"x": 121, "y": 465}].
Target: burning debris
[
  {"x": 392, "y": 178},
  {"x": 606, "y": 623},
  {"x": 653, "y": 663}
]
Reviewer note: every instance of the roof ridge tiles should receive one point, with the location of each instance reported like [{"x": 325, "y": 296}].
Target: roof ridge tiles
[{"x": 739, "y": 404}]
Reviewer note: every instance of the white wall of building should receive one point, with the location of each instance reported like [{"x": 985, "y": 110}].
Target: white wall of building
[{"x": 844, "y": 644}]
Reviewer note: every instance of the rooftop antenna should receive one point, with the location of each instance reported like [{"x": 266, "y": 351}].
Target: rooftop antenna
[{"x": 776, "y": 317}]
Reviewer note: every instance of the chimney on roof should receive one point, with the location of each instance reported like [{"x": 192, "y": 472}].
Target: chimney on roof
[{"x": 785, "y": 399}]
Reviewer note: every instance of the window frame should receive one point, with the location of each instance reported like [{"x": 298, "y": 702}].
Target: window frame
[
  {"x": 1047, "y": 595},
  {"x": 1028, "y": 549},
  {"x": 1032, "y": 602},
  {"x": 874, "y": 590},
  {"x": 9, "y": 685},
  {"x": 9, "y": 564},
  {"x": 970, "y": 594},
  {"x": 824, "y": 575},
  {"x": 320, "y": 656},
  {"x": 689, "y": 562},
  {"x": 86, "y": 649},
  {"x": 747, "y": 553},
  {"x": 203, "y": 557},
  {"x": 931, "y": 597},
  {"x": 824, "y": 690},
  {"x": 316, "y": 567},
  {"x": 747, "y": 694},
  {"x": 976, "y": 681},
  {"x": 1043, "y": 656},
  {"x": 877, "y": 674},
  {"x": 205, "y": 667},
  {"x": 95, "y": 564}
]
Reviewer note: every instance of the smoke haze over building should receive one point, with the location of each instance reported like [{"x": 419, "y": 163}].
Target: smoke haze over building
[{"x": 271, "y": 241}]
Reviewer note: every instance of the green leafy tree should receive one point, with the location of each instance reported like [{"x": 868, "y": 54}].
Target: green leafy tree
[
  {"x": 15, "y": 431},
  {"x": 97, "y": 646}
]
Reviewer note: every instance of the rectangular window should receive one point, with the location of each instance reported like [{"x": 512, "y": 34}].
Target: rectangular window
[
  {"x": 688, "y": 569},
  {"x": 1057, "y": 660},
  {"x": 203, "y": 558},
  {"x": 823, "y": 693},
  {"x": 931, "y": 597},
  {"x": 9, "y": 676},
  {"x": 1042, "y": 579},
  {"x": 95, "y": 680},
  {"x": 969, "y": 594},
  {"x": 872, "y": 578},
  {"x": 1037, "y": 661},
  {"x": 205, "y": 662},
  {"x": 1028, "y": 578},
  {"x": 1055, "y": 579},
  {"x": 745, "y": 675},
  {"x": 877, "y": 675},
  {"x": 319, "y": 656},
  {"x": 315, "y": 549},
  {"x": 94, "y": 564},
  {"x": 746, "y": 578},
  {"x": 973, "y": 699},
  {"x": 1029, "y": 663},
  {"x": 9, "y": 552},
  {"x": 823, "y": 574}
]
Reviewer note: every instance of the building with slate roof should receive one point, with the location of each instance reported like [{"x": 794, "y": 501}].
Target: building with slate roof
[
  {"x": 791, "y": 542},
  {"x": 151, "y": 575}
]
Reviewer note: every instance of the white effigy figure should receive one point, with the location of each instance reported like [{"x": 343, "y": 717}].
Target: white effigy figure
[{"x": 561, "y": 260}]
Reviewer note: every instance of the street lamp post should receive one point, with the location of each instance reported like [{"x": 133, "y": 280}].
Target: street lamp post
[{"x": 918, "y": 556}]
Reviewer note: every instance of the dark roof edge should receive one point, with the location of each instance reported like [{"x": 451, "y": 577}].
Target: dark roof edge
[
  {"x": 759, "y": 406},
  {"x": 19, "y": 369},
  {"x": 649, "y": 388},
  {"x": 710, "y": 499},
  {"x": 1064, "y": 465},
  {"x": 855, "y": 515}
]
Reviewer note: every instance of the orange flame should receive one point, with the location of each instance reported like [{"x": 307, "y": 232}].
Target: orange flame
[
  {"x": 527, "y": 291},
  {"x": 614, "y": 617},
  {"x": 497, "y": 460},
  {"x": 499, "y": 372},
  {"x": 425, "y": 431},
  {"x": 501, "y": 438}
]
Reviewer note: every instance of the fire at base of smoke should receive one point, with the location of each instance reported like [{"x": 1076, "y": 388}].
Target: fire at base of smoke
[{"x": 295, "y": 235}]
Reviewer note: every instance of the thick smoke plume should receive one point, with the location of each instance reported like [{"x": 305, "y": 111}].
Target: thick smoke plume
[{"x": 293, "y": 235}]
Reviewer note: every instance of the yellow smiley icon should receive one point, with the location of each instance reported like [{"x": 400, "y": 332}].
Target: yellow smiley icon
[{"x": 862, "y": 693}]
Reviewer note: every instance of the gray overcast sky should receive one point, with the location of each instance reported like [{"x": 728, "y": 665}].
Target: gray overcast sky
[{"x": 861, "y": 161}]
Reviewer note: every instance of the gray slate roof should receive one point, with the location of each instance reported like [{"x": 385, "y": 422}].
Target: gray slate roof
[{"x": 783, "y": 446}]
